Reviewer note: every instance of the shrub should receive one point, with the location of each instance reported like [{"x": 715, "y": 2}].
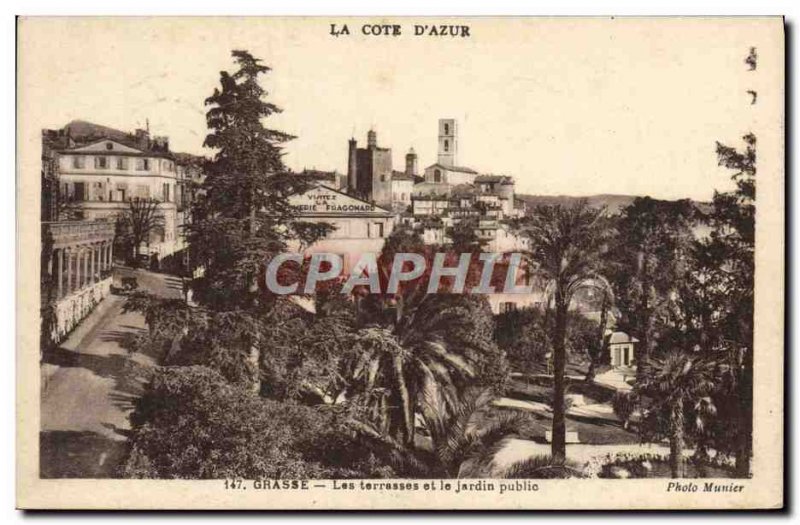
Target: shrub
[
  {"x": 541, "y": 467},
  {"x": 191, "y": 424},
  {"x": 624, "y": 403}
]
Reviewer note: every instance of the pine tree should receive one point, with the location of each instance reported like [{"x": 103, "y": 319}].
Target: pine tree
[{"x": 243, "y": 217}]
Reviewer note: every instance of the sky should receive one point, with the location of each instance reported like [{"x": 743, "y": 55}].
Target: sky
[{"x": 565, "y": 106}]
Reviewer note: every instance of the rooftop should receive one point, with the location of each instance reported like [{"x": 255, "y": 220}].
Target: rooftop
[
  {"x": 621, "y": 338},
  {"x": 401, "y": 175},
  {"x": 460, "y": 169},
  {"x": 502, "y": 179}
]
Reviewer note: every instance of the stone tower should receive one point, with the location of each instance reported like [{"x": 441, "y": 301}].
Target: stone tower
[
  {"x": 448, "y": 141},
  {"x": 352, "y": 166},
  {"x": 369, "y": 170},
  {"x": 411, "y": 162}
]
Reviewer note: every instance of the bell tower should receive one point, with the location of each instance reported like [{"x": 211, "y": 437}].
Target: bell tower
[{"x": 448, "y": 141}]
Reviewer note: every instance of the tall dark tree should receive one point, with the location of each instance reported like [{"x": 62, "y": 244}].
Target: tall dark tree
[
  {"x": 568, "y": 244},
  {"x": 243, "y": 216},
  {"x": 649, "y": 259},
  {"x": 709, "y": 313},
  {"x": 731, "y": 247}
]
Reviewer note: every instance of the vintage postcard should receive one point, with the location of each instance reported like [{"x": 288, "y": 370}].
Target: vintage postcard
[{"x": 400, "y": 263}]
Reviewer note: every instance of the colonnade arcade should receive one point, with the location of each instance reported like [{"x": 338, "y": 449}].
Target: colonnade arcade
[
  {"x": 77, "y": 267},
  {"x": 82, "y": 255}
]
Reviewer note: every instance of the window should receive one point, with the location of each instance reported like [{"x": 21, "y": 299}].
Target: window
[
  {"x": 78, "y": 162},
  {"x": 143, "y": 164},
  {"x": 376, "y": 231},
  {"x": 437, "y": 176},
  {"x": 122, "y": 163},
  {"x": 446, "y": 128},
  {"x": 508, "y": 306},
  {"x": 109, "y": 145},
  {"x": 446, "y": 145},
  {"x": 80, "y": 191},
  {"x": 101, "y": 163}
]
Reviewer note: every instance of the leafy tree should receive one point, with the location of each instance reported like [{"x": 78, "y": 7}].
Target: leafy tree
[
  {"x": 568, "y": 245},
  {"x": 138, "y": 222},
  {"x": 673, "y": 385},
  {"x": 715, "y": 308},
  {"x": 192, "y": 424},
  {"x": 223, "y": 340},
  {"x": 463, "y": 236},
  {"x": 526, "y": 336},
  {"x": 733, "y": 242},
  {"x": 596, "y": 343},
  {"x": 649, "y": 261},
  {"x": 712, "y": 310}
]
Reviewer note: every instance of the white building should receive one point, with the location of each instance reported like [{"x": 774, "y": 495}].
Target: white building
[
  {"x": 402, "y": 189},
  {"x": 621, "y": 349},
  {"x": 361, "y": 226},
  {"x": 99, "y": 178}
]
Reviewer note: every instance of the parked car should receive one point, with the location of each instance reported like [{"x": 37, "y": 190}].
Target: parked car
[{"x": 129, "y": 284}]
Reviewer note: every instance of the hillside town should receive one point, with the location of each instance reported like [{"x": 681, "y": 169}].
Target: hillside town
[
  {"x": 92, "y": 174},
  {"x": 151, "y": 281}
]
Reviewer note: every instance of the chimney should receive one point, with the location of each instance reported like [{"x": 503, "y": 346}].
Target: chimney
[
  {"x": 352, "y": 183},
  {"x": 142, "y": 139},
  {"x": 161, "y": 143},
  {"x": 411, "y": 162},
  {"x": 372, "y": 139}
]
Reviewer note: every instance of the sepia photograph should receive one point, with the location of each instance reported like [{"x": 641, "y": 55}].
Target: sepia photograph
[{"x": 400, "y": 263}]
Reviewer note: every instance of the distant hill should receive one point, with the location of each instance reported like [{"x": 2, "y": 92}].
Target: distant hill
[
  {"x": 80, "y": 129},
  {"x": 614, "y": 203}
]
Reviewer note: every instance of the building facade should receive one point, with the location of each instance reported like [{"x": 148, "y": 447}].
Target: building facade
[
  {"x": 100, "y": 170},
  {"x": 360, "y": 226}
]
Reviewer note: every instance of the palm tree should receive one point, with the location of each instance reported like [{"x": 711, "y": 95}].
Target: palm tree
[
  {"x": 430, "y": 354},
  {"x": 541, "y": 467},
  {"x": 567, "y": 248},
  {"x": 674, "y": 385},
  {"x": 461, "y": 446},
  {"x": 458, "y": 445},
  {"x": 412, "y": 347}
]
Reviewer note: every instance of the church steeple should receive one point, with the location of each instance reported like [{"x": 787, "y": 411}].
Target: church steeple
[{"x": 448, "y": 141}]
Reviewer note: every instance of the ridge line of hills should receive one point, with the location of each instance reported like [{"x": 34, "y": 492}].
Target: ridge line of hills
[{"x": 614, "y": 202}]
